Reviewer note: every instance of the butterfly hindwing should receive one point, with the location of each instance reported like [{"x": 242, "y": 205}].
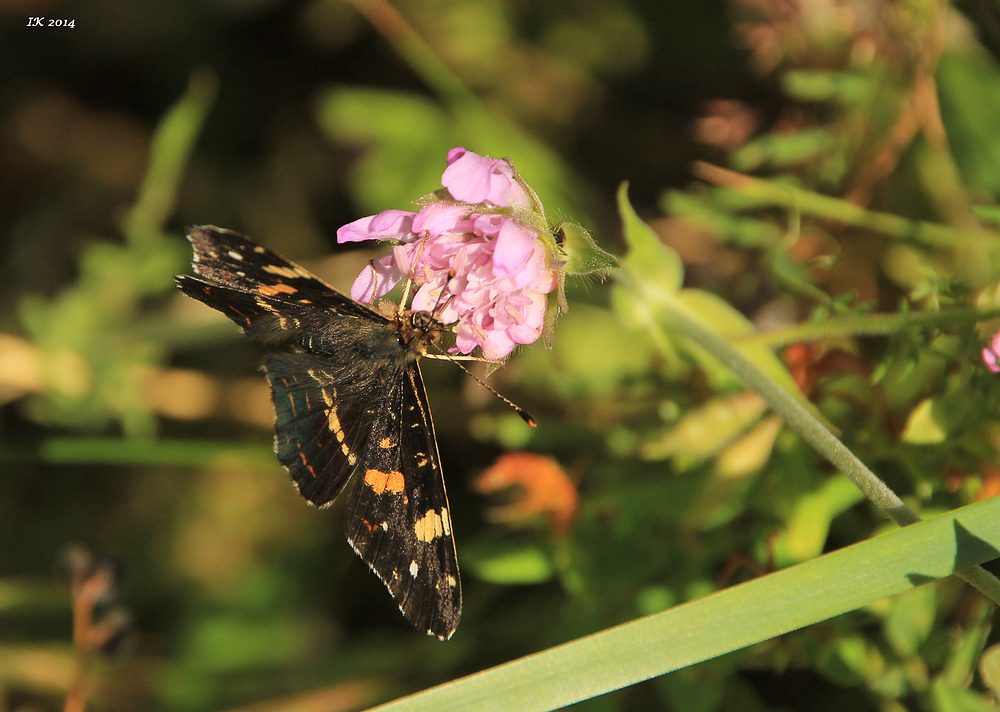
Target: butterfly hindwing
[
  {"x": 398, "y": 517},
  {"x": 319, "y": 433}
]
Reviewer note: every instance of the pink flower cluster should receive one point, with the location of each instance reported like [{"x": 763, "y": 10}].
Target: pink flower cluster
[{"x": 474, "y": 262}]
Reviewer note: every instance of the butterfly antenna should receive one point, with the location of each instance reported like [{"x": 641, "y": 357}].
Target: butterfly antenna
[
  {"x": 438, "y": 305},
  {"x": 521, "y": 412}
]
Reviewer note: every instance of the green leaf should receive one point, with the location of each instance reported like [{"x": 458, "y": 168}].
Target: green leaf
[
  {"x": 234, "y": 643},
  {"x": 403, "y": 160},
  {"x": 648, "y": 257},
  {"x": 19, "y": 594},
  {"x": 150, "y": 453},
  {"x": 951, "y": 698},
  {"x": 508, "y": 563},
  {"x": 729, "y": 620},
  {"x": 809, "y": 524},
  {"x": 819, "y": 85},
  {"x": 715, "y": 216},
  {"x": 961, "y": 665},
  {"x": 582, "y": 253},
  {"x": 704, "y": 431},
  {"x": 700, "y": 688},
  {"x": 922, "y": 426},
  {"x": 989, "y": 667},
  {"x": 968, "y": 84},
  {"x": 653, "y": 275},
  {"x": 783, "y": 149},
  {"x": 911, "y": 619}
]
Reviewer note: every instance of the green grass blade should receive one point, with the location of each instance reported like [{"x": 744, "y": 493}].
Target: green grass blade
[{"x": 729, "y": 620}]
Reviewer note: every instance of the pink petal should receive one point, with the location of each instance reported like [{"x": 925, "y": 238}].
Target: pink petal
[
  {"x": 488, "y": 224},
  {"x": 524, "y": 333},
  {"x": 990, "y": 358},
  {"x": 426, "y": 298},
  {"x": 468, "y": 175},
  {"x": 454, "y": 154},
  {"x": 401, "y": 258},
  {"x": 497, "y": 345},
  {"x": 991, "y": 354},
  {"x": 439, "y": 218},
  {"x": 533, "y": 268},
  {"x": 472, "y": 178},
  {"x": 465, "y": 342},
  {"x": 514, "y": 245},
  {"x": 387, "y": 225},
  {"x": 547, "y": 283},
  {"x": 376, "y": 280}
]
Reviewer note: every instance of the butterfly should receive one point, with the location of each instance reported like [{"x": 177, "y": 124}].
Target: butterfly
[{"x": 349, "y": 400}]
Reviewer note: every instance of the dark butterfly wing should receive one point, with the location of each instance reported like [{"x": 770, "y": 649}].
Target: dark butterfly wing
[
  {"x": 236, "y": 261},
  {"x": 272, "y": 298},
  {"x": 321, "y": 432},
  {"x": 261, "y": 316},
  {"x": 398, "y": 517}
]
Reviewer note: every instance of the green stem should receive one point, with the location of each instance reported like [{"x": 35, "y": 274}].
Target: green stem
[
  {"x": 169, "y": 152},
  {"x": 865, "y": 325},
  {"x": 799, "y": 419},
  {"x": 417, "y": 52},
  {"x": 764, "y": 192}
]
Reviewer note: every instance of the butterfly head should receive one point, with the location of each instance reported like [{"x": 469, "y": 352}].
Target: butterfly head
[{"x": 419, "y": 330}]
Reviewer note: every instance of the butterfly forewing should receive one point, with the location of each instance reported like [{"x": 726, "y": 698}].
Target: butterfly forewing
[
  {"x": 349, "y": 399},
  {"x": 270, "y": 297},
  {"x": 231, "y": 259}
]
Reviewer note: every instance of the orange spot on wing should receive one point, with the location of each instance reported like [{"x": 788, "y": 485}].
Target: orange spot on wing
[
  {"x": 305, "y": 463},
  {"x": 382, "y": 481},
  {"x": 269, "y": 290}
]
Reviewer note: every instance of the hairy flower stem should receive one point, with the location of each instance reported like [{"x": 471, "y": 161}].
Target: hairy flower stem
[{"x": 809, "y": 428}]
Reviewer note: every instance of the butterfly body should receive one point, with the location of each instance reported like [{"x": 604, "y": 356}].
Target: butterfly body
[{"x": 349, "y": 401}]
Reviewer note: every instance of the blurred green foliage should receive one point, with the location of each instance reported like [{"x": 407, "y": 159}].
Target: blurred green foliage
[{"x": 865, "y": 243}]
